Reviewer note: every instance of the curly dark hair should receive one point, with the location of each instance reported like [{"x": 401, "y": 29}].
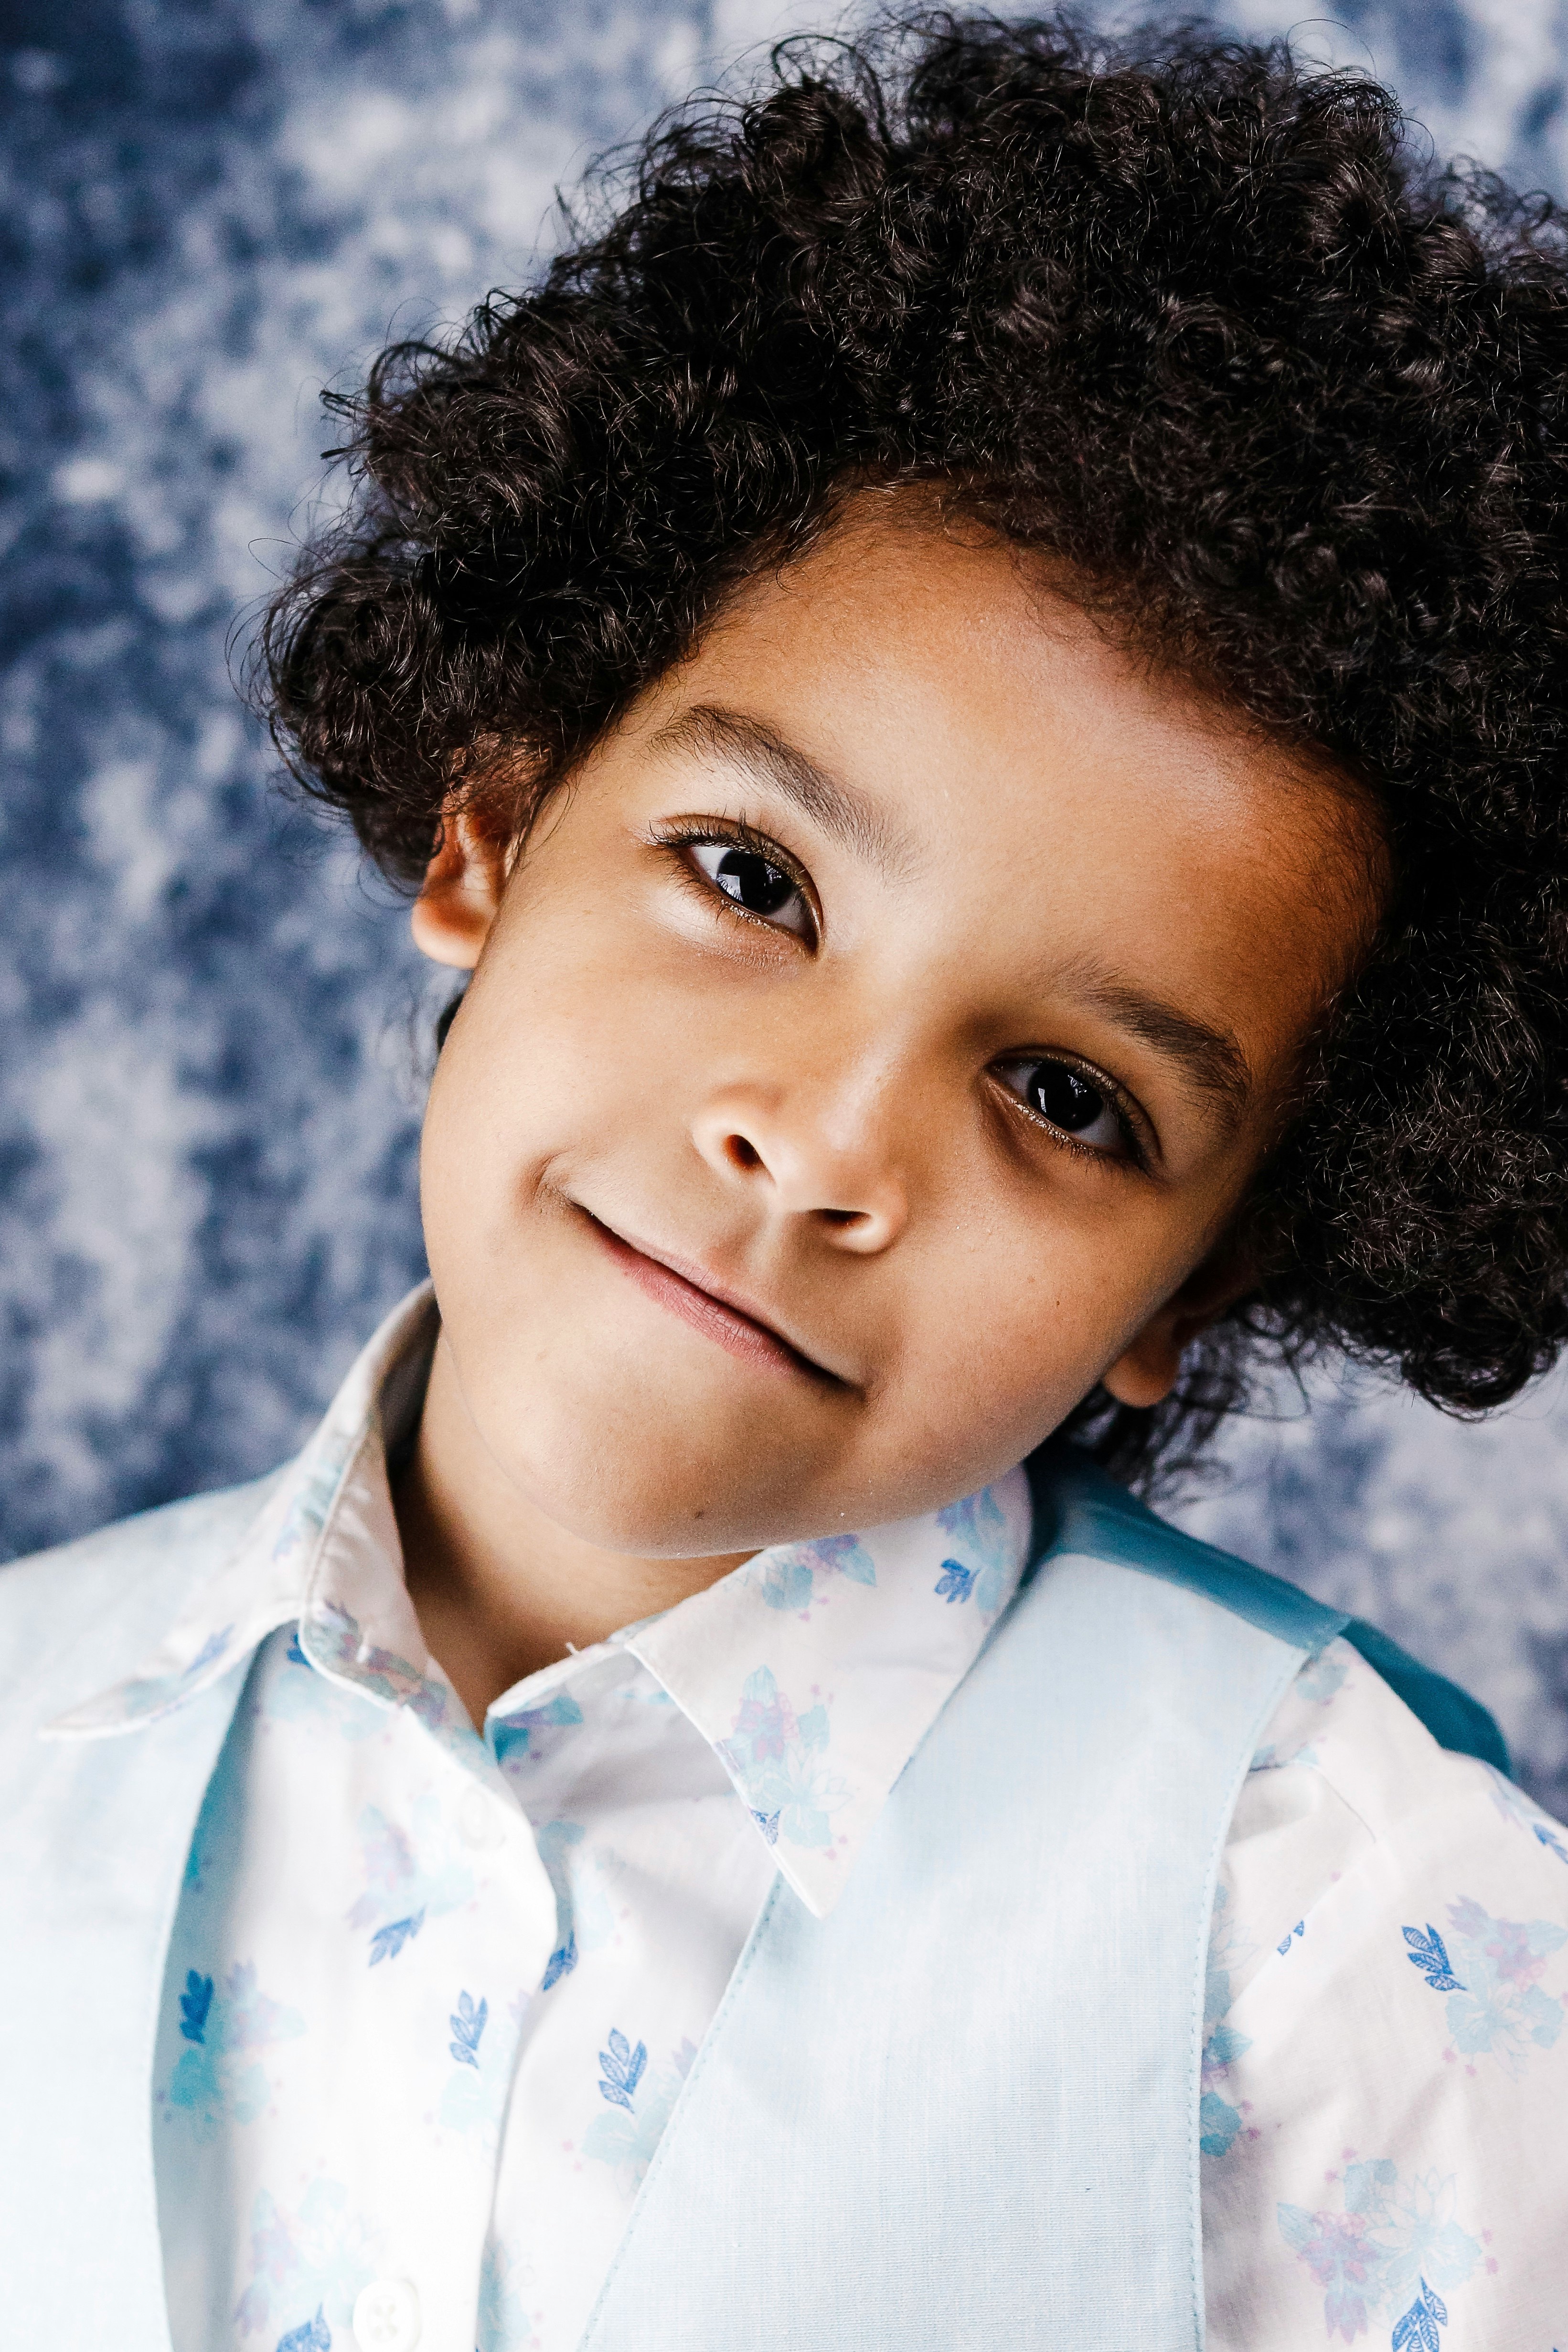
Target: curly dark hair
[{"x": 1195, "y": 319}]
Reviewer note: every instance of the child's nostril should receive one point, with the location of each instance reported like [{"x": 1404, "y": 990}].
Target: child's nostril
[{"x": 744, "y": 1154}]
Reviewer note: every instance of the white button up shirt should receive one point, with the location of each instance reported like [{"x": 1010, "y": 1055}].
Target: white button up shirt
[{"x": 432, "y": 1995}]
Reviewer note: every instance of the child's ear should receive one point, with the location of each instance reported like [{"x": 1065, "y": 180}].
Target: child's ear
[
  {"x": 461, "y": 891},
  {"x": 1147, "y": 1372}
]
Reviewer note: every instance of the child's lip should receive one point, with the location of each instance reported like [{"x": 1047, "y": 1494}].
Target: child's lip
[{"x": 711, "y": 1307}]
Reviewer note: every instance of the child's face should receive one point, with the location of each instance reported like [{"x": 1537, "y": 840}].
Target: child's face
[{"x": 868, "y": 1053}]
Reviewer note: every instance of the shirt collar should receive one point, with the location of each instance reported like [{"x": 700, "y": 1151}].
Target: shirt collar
[
  {"x": 323, "y": 1552},
  {"x": 813, "y": 1671}
]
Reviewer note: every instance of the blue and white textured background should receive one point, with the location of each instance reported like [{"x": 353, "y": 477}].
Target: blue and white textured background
[{"x": 210, "y": 1065}]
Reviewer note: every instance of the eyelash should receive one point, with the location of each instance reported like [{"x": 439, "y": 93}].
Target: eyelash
[
  {"x": 734, "y": 833},
  {"x": 706, "y": 833},
  {"x": 1137, "y": 1157}
]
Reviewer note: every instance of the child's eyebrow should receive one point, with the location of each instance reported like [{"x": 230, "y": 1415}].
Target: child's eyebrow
[
  {"x": 779, "y": 765},
  {"x": 1211, "y": 1059}
]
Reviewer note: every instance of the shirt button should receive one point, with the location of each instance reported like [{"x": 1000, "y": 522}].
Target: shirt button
[
  {"x": 479, "y": 1818},
  {"x": 386, "y": 2317}
]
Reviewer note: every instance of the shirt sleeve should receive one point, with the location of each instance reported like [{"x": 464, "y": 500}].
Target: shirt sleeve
[{"x": 1386, "y": 2071}]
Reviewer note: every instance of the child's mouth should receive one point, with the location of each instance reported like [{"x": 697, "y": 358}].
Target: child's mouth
[{"x": 688, "y": 1291}]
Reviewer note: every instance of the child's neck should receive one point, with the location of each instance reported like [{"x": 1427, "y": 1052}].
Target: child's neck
[{"x": 500, "y": 1589}]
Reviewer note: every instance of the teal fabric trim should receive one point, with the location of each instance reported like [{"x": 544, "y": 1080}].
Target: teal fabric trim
[
  {"x": 1078, "y": 1508},
  {"x": 1455, "y": 1720}
]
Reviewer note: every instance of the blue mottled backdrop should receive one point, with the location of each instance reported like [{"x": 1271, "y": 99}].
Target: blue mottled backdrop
[{"x": 212, "y": 1024}]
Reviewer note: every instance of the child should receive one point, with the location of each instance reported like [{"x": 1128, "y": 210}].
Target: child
[{"x": 977, "y": 681}]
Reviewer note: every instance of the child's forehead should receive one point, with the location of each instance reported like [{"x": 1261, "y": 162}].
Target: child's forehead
[
  {"x": 988, "y": 783},
  {"x": 959, "y": 679},
  {"x": 905, "y": 594}
]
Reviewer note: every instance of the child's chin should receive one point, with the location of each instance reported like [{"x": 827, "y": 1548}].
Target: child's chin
[
  {"x": 661, "y": 1504},
  {"x": 668, "y": 1468}
]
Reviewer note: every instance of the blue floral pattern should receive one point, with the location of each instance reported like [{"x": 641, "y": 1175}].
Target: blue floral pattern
[
  {"x": 621, "y": 2067},
  {"x": 503, "y": 2324},
  {"x": 1497, "y": 2006},
  {"x": 534, "y": 1733},
  {"x": 560, "y": 1963},
  {"x": 626, "y": 2139},
  {"x": 399, "y": 1880},
  {"x": 335, "y": 1639},
  {"x": 219, "y": 2078},
  {"x": 1384, "y": 2250},
  {"x": 980, "y": 1533},
  {"x": 1430, "y": 1954},
  {"x": 1323, "y": 1678},
  {"x": 468, "y": 2022},
  {"x": 777, "y": 1757},
  {"x": 1547, "y": 1836},
  {"x": 792, "y": 1576},
  {"x": 475, "y": 2092},
  {"x": 1418, "y": 2327},
  {"x": 387, "y": 1941},
  {"x": 307, "y": 2263},
  {"x": 305, "y": 1696},
  {"x": 310, "y": 2336},
  {"x": 578, "y": 1873},
  {"x": 195, "y": 2004}
]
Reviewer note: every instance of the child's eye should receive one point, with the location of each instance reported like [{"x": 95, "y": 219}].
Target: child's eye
[
  {"x": 1071, "y": 1101},
  {"x": 753, "y": 882}
]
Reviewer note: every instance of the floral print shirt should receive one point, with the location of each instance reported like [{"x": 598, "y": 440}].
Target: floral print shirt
[
  {"x": 432, "y": 1994},
  {"x": 1384, "y": 2058}
]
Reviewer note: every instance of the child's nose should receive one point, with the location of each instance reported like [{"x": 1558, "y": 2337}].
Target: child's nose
[{"x": 807, "y": 1161}]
